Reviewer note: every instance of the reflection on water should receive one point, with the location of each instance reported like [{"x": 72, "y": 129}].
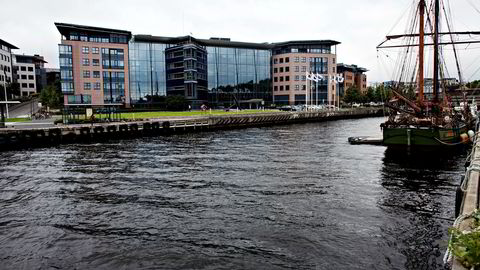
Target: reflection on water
[{"x": 294, "y": 196}]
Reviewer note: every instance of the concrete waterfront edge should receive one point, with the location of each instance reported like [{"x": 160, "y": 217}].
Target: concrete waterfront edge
[{"x": 11, "y": 138}]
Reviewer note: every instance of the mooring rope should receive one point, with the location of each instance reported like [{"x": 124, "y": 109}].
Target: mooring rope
[{"x": 448, "y": 254}]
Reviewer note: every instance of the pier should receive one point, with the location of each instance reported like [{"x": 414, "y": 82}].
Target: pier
[
  {"x": 13, "y": 138},
  {"x": 467, "y": 198}
]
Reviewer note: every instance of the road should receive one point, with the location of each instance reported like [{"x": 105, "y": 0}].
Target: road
[{"x": 24, "y": 109}]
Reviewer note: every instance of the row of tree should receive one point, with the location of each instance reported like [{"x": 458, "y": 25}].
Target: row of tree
[{"x": 373, "y": 94}]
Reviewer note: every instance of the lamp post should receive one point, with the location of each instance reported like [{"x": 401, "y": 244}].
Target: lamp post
[{"x": 5, "y": 87}]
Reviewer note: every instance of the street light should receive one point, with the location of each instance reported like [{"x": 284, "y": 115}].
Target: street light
[{"x": 5, "y": 87}]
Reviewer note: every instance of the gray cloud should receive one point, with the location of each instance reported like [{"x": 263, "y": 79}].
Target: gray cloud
[{"x": 359, "y": 25}]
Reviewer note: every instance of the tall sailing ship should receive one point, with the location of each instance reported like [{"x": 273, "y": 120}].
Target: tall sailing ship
[{"x": 420, "y": 115}]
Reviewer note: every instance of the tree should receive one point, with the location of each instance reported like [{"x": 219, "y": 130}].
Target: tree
[
  {"x": 370, "y": 94},
  {"x": 13, "y": 89},
  {"x": 51, "y": 97},
  {"x": 176, "y": 103},
  {"x": 352, "y": 95}
]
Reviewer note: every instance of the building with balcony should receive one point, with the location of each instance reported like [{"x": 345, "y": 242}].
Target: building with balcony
[
  {"x": 94, "y": 65},
  {"x": 6, "y": 67},
  {"x": 29, "y": 73},
  {"x": 353, "y": 76},
  {"x": 292, "y": 61}
]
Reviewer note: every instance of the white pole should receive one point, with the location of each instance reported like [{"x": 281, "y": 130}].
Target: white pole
[
  {"x": 316, "y": 91},
  {"x": 306, "y": 92},
  {"x": 5, "y": 91}
]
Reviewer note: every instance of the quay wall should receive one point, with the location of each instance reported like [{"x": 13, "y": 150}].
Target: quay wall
[{"x": 14, "y": 138}]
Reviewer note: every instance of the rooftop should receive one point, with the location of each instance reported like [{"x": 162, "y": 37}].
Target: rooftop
[
  {"x": 3, "y": 42},
  {"x": 353, "y": 68},
  {"x": 22, "y": 58},
  {"x": 214, "y": 42},
  {"x": 66, "y": 28}
]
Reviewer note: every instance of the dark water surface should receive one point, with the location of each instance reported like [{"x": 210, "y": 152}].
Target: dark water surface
[{"x": 295, "y": 196}]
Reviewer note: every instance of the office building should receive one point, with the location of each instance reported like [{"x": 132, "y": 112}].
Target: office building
[
  {"x": 94, "y": 65},
  {"x": 136, "y": 70},
  {"x": 6, "y": 68},
  {"x": 354, "y": 76},
  {"x": 292, "y": 61},
  {"x": 29, "y": 73}
]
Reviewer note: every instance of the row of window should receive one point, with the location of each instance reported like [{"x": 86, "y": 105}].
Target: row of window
[
  {"x": 24, "y": 77},
  {"x": 276, "y": 79},
  {"x": 95, "y": 50},
  {"x": 86, "y": 62},
  {"x": 2, "y": 78},
  {"x": 88, "y": 86},
  {"x": 86, "y": 74},
  {"x": 5, "y": 58},
  {"x": 280, "y": 60},
  {"x": 29, "y": 85},
  {"x": 287, "y": 87},
  {"x": 24, "y": 68},
  {"x": 2, "y": 67},
  {"x": 297, "y": 59}
]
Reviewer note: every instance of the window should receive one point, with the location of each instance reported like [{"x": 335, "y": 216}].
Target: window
[
  {"x": 281, "y": 78},
  {"x": 287, "y": 69},
  {"x": 96, "y": 74},
  {"x": 296, "y": 59},
  {"x": 87, "y": 86},
  {"x": 304, "y": 87},
  {"x": 66, "y": 74},
  {"x": 304, "y": 69},
  {"x": 96, "y": 86},
  {"x": 281, "y": 69},
  {"x": 287, "y": 87},
  {"x": 275, "y": 60},
  {"x": 297, "y": 68},
  {"x": 287, "y": 59},
  {"x": 333, "y": 60},
  {"x": 30, "y": 69},
  {"x": 95, "y": 50},
  {"x": 24, "y": 77},
  {"x": 86, "y": 74},
  {"x": 65, "y": 49},
  {"x": 275, "y": 70},
  {"x": 31, "y": 85},
  {"x": 85, "y": 50},
  {"x": 275, "y": 88},
  {"x": 333, "y": 69},
  {"x": 24, "y": 85},
  {"x": 281, "y": 60},
  {"x": 85, "y": 61},
  {"x": 304, "y": 59},
  {"x": 287, "y": 78},
  {"x": 297, "y": 78},
  {"x": 23, "y": 68},
  {"x": 297, "y": 87},
  {"x": 96, "y": 62},
  {"x": 281, "y": 87},
  {"x": 304, "y": 78},
  {"x": 275, "y": 79},
  {"x": 30, "y": 77}
]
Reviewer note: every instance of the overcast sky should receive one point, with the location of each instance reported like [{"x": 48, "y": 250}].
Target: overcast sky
[{"x": 360, "y": 25}]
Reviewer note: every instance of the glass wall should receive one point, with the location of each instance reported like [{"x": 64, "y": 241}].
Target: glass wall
[
  {"x": 66, "y": 68},
  {"x": 147, "y": 71},
  {"x": 237, "y": 74}
]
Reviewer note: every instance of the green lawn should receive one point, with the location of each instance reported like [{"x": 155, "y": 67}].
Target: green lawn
[
  {"x": 146, "y": 115},
  {"x": 18, "y": 120}
]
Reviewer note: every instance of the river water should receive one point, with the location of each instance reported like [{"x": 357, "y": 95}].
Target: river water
[{"x": 282, "y": 197}]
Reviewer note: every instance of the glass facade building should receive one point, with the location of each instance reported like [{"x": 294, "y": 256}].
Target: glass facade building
[
  {"x": 147, "y": 70},
  {"x": 238, "y": 74}
]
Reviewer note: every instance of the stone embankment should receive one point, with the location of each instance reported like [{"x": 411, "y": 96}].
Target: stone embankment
[{"x": 14, "y": 138}]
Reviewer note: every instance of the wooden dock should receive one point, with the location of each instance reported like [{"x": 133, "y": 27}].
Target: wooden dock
[
  {"x": 468, "y": 194},
  {"x": 14, "y": 138}
]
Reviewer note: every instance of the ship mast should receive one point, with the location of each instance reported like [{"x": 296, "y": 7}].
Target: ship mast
[
  {"x": 436, "y": 53},
  {"x": 421, "y": 52}
]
